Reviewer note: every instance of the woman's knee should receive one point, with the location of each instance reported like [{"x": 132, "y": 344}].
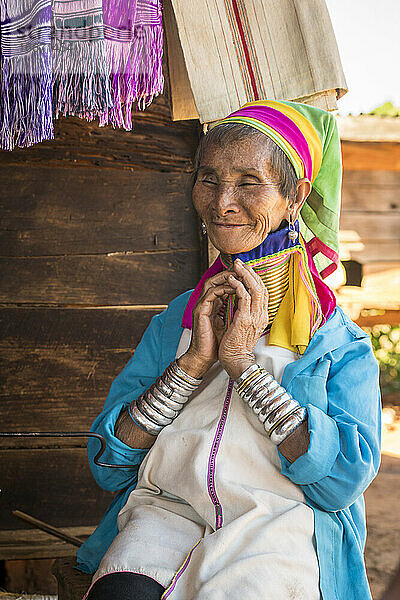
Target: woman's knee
[{"x": 125, "y": 586}]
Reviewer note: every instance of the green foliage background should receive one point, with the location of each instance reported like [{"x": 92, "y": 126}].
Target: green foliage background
[{"x": 386, "y": 344}]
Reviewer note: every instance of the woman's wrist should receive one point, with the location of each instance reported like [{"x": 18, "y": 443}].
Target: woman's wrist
[
  {"x": 192, "y": 365},
  {"x": 296, "y": 444},
  {"x": 236, "y": 367},
  {"x": 130, "y": 434}
]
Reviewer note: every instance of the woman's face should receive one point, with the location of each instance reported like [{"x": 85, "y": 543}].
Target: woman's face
[{"x": 236, "y": 197}]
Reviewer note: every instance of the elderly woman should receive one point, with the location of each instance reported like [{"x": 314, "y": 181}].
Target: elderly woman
[{"x": 256, "y": 395}]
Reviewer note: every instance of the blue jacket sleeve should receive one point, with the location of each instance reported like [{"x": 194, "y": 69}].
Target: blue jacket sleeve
[
  {"x": 344, "y": 451},
  {"x": 137, "y": 376}
]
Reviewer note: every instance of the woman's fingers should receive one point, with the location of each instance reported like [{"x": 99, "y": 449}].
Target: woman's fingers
[
  {"x": 205, "y": 304},
  {"x": 243, "y": 298},
  {"x": 217, "y": 279},
  {"x": 252, "y": 282},
  {"x": 221, "y": 284}
]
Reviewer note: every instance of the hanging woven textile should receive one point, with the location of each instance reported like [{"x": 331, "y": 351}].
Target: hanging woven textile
[
  {"x": 26, "y": 73},
  {"x": 107, "y": 57},
  {"x": 255, "y": 50},
  {"x": 88, "y": 58}
]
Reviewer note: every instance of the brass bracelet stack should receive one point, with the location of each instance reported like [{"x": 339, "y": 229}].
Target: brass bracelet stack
[
  {"x": 164, "y": 400},
  {"x": 279, "y": 412}
]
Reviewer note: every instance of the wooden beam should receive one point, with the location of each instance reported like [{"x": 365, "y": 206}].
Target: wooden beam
[
  {"x": 32, "y": 543},
  {"x": 384, "y": 317},
  {"x": 61, "y": 363},
  {"x": 49, "y": 529},
  {"x": 182, "y": 100},
  {"x": 369, "y": 128},
  {"x": 115, "y": 278},
  {"x": 374, "y": 251},
  {"x": 371, "y": 191},
  {"x": 371, "y": 156},
  {"x": 53, "y": 484},
  {"x": 92, "y": 210},
  {"x": 373, "y": 225}
]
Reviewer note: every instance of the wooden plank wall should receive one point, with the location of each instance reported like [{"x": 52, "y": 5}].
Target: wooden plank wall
[
  {"x": 371, "y": 202},
  {"x": 97, "y": 235}
]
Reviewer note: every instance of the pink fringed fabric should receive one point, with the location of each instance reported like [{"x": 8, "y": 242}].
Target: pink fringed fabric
[
  {"x": 107, "y": 58},
  {"x": 134, "y": 46}
]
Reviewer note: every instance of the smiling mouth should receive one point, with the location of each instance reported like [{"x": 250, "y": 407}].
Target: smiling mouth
[{"x": 230, "y": 225}]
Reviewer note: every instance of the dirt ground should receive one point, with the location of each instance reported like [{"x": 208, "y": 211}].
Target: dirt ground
[{"x": 383, "y": 509}]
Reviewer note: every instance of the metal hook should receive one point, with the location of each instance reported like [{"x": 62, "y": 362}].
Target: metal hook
[{"x": 71, "y": 434}]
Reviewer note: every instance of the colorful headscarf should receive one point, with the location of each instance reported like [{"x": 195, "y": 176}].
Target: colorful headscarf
[{"x": 309, "y": 138}]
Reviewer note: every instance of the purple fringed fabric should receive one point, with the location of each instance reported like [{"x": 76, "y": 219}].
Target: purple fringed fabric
[
  {"x": 26, "y": 68},
  {"x": 134, "y": 47}
]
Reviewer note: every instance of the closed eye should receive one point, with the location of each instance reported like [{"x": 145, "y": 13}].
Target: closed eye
[{"x": 249, "y": 184}]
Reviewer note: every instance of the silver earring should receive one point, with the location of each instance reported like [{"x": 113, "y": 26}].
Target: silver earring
[
  {"x": 292, "y": 233},
  {"x": 203, "y": 228}
]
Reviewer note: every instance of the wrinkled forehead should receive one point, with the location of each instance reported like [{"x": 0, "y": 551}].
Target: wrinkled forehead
[{"x": 249, "y": 154}]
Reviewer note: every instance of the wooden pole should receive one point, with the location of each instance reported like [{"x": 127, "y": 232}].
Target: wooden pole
[{"x": 48, "y": 528}]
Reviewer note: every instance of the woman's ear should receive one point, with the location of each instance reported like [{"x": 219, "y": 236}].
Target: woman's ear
[{"x": 303, "y": 190}]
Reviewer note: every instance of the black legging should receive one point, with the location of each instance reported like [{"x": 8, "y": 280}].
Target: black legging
[{"x": 125, "y": 586}]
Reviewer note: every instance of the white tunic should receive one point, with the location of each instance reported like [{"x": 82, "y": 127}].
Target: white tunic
[{"x": 212, "y": 515}]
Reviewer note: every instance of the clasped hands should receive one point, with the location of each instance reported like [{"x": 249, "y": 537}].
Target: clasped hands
[{"x": 234, "y": 348}]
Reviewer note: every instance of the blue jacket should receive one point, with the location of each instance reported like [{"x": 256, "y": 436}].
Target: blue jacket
[{"x": 336, "y": 380}]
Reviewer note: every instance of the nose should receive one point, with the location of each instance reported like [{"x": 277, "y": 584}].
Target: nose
[{"x": 225, "y": 201}]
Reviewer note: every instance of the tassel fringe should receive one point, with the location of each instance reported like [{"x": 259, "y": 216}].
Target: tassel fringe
[
  {"x": 26, "y": 101},
  {"x": 25, "y": 82},
  {"x": 136, "y": 74},
  {"x": 81, "y": 85}
]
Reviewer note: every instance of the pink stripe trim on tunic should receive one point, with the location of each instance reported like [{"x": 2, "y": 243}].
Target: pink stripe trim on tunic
[
  {"x": 213, "y": 457},
  {"x": 179, "y": 573}
]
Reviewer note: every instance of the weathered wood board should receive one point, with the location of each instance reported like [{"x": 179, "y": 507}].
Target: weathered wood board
[
  {"x": 32, "y": 543},
  {"x": 371, "y": 156},
  {"x": 90, "y": 210},
  {"x": 371, "y": 191},
  {"x": 99, "y": 279},
  {"x": 53, "y": 485},
  {"x": 371, "y": 211},
  {"x": 58, "y": 366}
]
